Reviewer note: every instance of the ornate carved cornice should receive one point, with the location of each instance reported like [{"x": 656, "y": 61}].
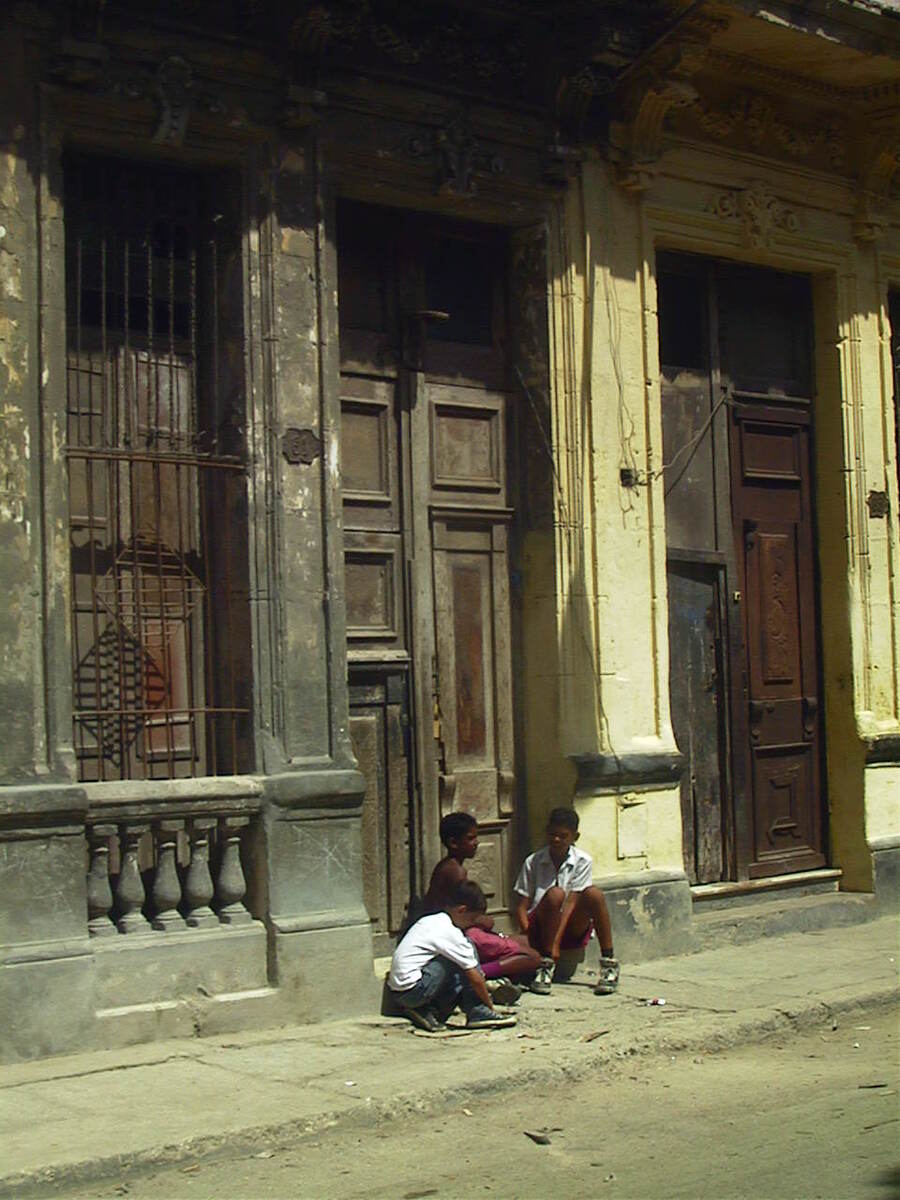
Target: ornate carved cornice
[
  {"x": 878, "y": 149},
  {"x": 655, "y": 91},
  {"x": 758, "y": 119}
]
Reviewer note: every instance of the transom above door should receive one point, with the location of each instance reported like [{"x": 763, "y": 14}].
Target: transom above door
[{"x": 426, "y": 489}]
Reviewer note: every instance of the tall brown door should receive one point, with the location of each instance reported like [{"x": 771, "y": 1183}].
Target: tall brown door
[
  {"x": 737, "y": 391},
  {"x": 426, "y": 535},
  {"x": 774, "y": 536}
]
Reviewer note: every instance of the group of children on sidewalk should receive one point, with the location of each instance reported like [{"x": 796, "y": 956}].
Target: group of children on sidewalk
[{"x": 452, "y": 955}]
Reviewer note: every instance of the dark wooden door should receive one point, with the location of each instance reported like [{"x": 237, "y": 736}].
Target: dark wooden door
[
  {"x": 766, "y": 363},
  {"x": 774, "y": 533},
  {"x": 426, "y": 538},
  {"x": 695, "y": 647},
  {"x": 737, "y": 398}
]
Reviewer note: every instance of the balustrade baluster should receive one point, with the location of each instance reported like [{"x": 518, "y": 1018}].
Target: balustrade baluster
[
  {"x": 99, "y": 892},
  {"x": 166, "y": 887},
  {"x": 198, "y": 886},
  {"x": 231, "y": 885},
  {"x": 130, "y": 894}
]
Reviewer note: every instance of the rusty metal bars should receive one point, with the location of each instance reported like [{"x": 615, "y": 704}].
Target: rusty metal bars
[{"x": 157, "y": 558}]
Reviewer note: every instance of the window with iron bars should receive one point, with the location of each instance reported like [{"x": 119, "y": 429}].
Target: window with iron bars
[{"x": 157, "y": 475}]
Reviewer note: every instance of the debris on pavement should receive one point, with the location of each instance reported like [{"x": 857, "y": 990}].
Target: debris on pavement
[{"x": 540, "y": 1138}]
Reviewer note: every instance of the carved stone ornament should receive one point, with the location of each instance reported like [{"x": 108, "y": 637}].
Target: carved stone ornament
[
  {"x": 764, "y": 127},
  {"x": 171, "y": 86},
  {"x": 759, "y": 211},
  {"x": 879, "y": 152},
  {"x": 174, "y": 86},
  {"x": 878, "y": 504},
  {"x": 300, "y": 446},
  {"x": 457, "y": 156}
]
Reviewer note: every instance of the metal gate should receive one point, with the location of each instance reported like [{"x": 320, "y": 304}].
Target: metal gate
[{"x": 157, "y": 488}]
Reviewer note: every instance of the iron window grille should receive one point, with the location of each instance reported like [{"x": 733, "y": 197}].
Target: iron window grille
[{"x": 156, "y": 472}]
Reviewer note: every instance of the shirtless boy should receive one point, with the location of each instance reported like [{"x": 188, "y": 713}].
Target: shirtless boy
[
  {"x": 501, "y": 956},
  {"x": 558, "y": 903}
]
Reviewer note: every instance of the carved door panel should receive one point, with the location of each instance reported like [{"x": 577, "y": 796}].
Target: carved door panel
[
  {"x": 423, "y": 459},
  {"x": 770, "y": 455},
  {"x": 463, "y": 486}
]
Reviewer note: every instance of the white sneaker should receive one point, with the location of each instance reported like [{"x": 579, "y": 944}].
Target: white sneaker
[
  {"x": 543, "y": 977},
  {"x": 608, "y": 977}
]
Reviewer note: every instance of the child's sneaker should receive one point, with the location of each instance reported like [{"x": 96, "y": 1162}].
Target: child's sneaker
[
  {"x": 503, "y": 990},
  {"x": 482, "y": 1017},
  {"x": 426, "y": 1019},
  {"x": 543, "y": 977},
  {"x": 608, "y": 977}
]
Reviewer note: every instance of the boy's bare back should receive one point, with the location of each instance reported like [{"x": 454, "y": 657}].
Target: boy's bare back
[{"x": 445, "y": 878}]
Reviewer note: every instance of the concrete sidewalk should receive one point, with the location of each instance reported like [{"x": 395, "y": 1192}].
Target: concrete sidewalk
[{"x": 82, "y": 1117}]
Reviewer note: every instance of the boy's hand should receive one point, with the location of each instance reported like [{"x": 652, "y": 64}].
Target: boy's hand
[
  {"x": 555, "y": 952},
  {"x": 485, "y": 922}
]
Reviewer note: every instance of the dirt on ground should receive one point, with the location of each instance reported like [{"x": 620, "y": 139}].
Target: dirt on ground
[{"x": 813, "y": 1116}]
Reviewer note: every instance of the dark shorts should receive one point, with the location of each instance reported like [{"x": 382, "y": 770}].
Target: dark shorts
[{"x": 570, "y": 942}]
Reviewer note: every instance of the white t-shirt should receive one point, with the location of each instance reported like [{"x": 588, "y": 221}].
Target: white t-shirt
[
  {"x": 539, "y": 873},
  {"x": 429, "y": 937}
]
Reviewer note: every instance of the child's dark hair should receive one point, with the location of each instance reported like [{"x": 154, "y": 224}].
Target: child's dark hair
[
  {"x": 470, "y": 896},
  {"x": 455, "y": 825},
  {"x": 567, "y": 817}
]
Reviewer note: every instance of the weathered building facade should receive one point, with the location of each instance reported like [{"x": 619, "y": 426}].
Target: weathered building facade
[{"x": 388, "y": 398}]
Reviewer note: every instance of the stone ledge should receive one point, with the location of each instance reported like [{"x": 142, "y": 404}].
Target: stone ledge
[{"x": 600, "y": 774}]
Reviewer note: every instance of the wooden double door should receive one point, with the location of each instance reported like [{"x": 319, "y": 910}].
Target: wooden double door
[
  {"x": 737, "y": 396},
  {"x": 427, "y": 521}
]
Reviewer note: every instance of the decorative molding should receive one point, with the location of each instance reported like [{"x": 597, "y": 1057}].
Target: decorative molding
[
  {"x": 879, "y": 158},
  {"x": 757, "y": 117},
  {"x": 300, "y": 446},
  {"x": 656, "y": 93},
  {"x": 171, "y": 86},
  {"x": 759, "y": 211},
  {"x": 878, "y": 504},
  {"x": 456, "y": 155}
]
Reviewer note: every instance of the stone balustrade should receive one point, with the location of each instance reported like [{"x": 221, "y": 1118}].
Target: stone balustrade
[{"x": 178, "y": 871}]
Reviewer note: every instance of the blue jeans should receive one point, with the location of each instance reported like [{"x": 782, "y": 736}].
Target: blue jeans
[{"x": 441, "y": 988}]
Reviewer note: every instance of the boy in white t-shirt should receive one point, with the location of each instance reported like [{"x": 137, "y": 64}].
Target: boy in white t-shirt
[{"x": 435, "y": 967}]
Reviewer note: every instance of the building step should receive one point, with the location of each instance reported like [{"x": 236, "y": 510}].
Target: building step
[
  {"x": 752, "y": 891},
  {"x": 776, "y": 915}
]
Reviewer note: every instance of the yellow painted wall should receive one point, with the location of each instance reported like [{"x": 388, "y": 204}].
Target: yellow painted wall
[{"x": 610, "y": 594}]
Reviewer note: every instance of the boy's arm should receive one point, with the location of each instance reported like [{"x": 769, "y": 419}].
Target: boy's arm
[
  {"x": 479, "y": 987},
  {"x": 521, "y": 913},
  {"x": 485, "y": 922}
]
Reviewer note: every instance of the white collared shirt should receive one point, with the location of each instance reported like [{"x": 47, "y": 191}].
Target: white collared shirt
[
  {"x": 430, "y": 936},
  {"x": 539, "y": 873}
]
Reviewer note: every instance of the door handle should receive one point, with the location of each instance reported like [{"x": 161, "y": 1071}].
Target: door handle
[
  {"x": 810, "y": 715},
  {"x": 756, "y": 715}
]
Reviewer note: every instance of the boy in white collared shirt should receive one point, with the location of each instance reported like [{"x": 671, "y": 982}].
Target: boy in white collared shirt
[{"x": 558, "y": 904}]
